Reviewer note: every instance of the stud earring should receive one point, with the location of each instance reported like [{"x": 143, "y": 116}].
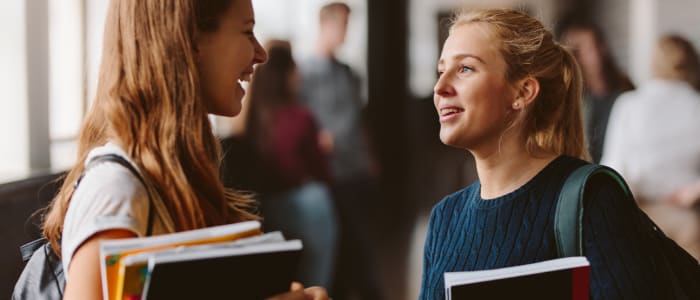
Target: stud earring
[{"x": 516, "y": 105}]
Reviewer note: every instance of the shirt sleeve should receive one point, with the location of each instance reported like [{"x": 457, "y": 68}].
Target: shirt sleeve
[{"x": 108, "y": 197}]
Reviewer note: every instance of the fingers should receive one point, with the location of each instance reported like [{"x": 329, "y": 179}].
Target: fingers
[
  {"x": 296, "y": 286},
  {"x": 297, "y": 292},
  {"x": 317, "y": 293}
]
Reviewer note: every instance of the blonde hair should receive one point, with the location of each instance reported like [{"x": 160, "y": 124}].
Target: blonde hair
[
  {"x": 149, "y": 101},
  {"x": 675, "y": 58},
  {"x": 553, "y": 123}
]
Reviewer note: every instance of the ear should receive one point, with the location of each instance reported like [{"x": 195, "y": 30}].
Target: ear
[{"x": 527, "y": 90}]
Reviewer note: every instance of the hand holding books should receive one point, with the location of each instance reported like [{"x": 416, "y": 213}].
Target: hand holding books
[
  {"x": 297, "y": 291},
  {"x": 211, "y": 263}
]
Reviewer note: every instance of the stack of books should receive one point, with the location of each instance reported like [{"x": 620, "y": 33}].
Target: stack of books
[
  {"x": 222, "y": 262},
  {"x": 562, "y": 278}
]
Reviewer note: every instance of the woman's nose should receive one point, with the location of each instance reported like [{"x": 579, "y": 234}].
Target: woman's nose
[
  {"x": 443, "y": 87},
  {"x": 260, "y": 53}
]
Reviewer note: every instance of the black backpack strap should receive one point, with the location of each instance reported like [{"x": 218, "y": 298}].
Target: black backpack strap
[
  {"x": 28, "y": 249},
  {"x": 125, "y": 163},
  {"x": 568, "y": 217}
]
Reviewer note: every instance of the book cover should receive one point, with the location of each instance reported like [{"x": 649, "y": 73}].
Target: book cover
[
  {"x": 135, "y": 269},
  {"x": 562, "y": 278},
  {"x": 112, "y": 252},
  {"x": 249, "y": 272}
]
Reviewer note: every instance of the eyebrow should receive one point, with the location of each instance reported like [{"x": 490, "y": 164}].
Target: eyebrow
[{"x": 463, "y": 56}]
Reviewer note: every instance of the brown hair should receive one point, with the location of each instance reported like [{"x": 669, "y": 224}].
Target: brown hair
[
  {"x": 269, "y": 90},
  {"x": 553, "y": 123},
  {"x": 148, "y": 100},
  {"x": 675, "y": 58}
]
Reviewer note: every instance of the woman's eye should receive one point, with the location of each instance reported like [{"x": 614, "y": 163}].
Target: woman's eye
[{"x": 465, "y": 69}]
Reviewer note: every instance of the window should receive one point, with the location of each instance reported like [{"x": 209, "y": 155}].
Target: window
[
  {"x": 13, "y": 102},
  {"x": 66, "y": 79}
]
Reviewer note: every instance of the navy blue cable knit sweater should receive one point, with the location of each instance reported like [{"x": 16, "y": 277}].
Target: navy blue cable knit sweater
[{"x": 468, "y": 233}]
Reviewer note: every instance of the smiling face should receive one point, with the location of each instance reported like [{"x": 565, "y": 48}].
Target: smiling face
[
  {"x": 472, "y": 97},
  {"x": 226, "y": 57}
]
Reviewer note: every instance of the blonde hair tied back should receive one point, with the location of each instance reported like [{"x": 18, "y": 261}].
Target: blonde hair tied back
[{"x": 553, "y": 123}]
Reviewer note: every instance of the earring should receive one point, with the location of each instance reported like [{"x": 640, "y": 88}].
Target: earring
[{"x": 516, "y": 105}]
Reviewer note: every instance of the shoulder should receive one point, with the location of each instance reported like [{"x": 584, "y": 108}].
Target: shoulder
[
  {"x": 604, "y": 193},
  {"x": 108, "y": 178},
  {"x": 107, "y": 197},
  {"x": 554, "y": 174},
  {"x": 610, "y": 211},
  {"x": 627, "y": 98}
]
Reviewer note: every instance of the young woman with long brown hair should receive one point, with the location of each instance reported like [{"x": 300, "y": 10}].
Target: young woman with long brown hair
[{"x": 166, "y": 65}]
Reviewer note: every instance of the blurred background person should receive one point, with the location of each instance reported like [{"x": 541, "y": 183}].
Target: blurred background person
[
  {"x": 653, "y": 139},
  {"x": 293, "y": 175},
  {"x": 603, "y": 79},
  {"x": 331, "y": 90}
]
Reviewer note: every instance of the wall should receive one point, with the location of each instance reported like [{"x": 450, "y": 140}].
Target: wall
[
  {"x": 633, "y": 26},
  {"x": 615, "y": 19}
]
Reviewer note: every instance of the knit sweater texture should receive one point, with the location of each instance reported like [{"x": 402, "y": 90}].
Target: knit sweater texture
[{"x": 468, "y": 233}]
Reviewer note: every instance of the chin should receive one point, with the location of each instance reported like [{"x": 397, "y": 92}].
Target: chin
[
  {"x": 453, "y": 140},
  {"x": 447, "y": 139}
]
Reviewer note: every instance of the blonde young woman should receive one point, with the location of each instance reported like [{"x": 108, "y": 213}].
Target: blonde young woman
[
  {"x": 166, "y": 65},
  {"x": 511, "y": 96}
]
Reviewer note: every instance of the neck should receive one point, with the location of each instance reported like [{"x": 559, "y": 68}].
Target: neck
[
  {"x": 324, "y": 50},
  {"x": 506, "y": 168}
]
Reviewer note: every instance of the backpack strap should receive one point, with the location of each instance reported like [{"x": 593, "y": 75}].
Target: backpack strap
[
  {"x": 126, "y": 164},
  {"x": 28, "y": 249},
  {"x": 568, "y": 217}
]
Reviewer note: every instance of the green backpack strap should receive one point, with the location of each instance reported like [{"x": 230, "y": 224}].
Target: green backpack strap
[{"x": 568, "y": 217}]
